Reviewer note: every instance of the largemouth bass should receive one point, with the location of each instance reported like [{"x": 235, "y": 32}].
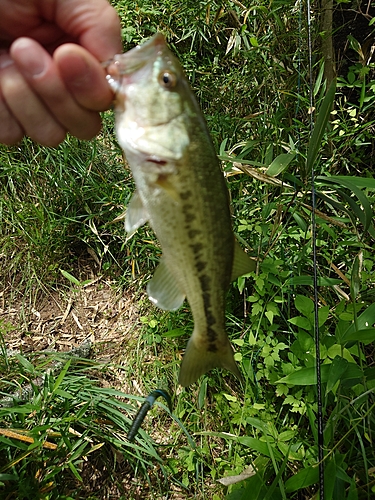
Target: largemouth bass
[{"x": 181, "y": 192}]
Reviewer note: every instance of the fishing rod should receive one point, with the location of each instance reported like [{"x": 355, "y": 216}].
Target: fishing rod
[{"x": 315, "y": 278}]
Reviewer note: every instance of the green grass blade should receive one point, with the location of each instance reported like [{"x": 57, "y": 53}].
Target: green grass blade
[
  {"x": 319, "y": 129},
  {"x": 352, "y": 186}
]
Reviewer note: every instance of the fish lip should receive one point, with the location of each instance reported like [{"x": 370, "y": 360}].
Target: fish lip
[{"x": 137, "y": 57}]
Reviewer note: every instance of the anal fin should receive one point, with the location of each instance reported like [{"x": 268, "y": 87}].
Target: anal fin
[
  {"x": 242, "y": 263},
  {"x": 163, "y": 289}
]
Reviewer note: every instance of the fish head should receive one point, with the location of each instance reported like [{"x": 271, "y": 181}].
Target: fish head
[{"x": 152, "y": 96}]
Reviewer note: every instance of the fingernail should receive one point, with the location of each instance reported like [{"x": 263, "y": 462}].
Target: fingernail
[
  {"x": 5, "y": 61},
  {"x": 30, "y": 58}
]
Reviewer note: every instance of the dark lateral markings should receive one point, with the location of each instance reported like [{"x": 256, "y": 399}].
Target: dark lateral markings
[
  {"x": 189, "y": 217},
  {"x": 205, "y": 282},
  {"x": 192, "y": 233},
  {"x": 188, "y": 209},
  {"x": 185, "y": 195},
  {"x": 200, "y": 266},
  {"x": 196, "y": 247}
]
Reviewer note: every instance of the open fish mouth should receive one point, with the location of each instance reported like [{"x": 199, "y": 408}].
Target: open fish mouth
[{"x": 123, "y": 67}]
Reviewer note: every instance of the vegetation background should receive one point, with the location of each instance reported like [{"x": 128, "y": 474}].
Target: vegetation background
[{"x": 69, "y": 276}]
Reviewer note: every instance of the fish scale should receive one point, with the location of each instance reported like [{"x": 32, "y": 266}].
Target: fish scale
[{"x": 181, "y": 192}]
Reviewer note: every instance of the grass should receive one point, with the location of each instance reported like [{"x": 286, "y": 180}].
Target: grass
[{"x": 57, "y": 209}]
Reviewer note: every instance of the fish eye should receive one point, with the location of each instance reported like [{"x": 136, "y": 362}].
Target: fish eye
[{"x": 168, "y": 79}]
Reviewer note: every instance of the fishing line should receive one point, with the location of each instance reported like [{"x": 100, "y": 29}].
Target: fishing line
[
  {"x": 315, "y": 275},
  {"x": 142, "y": 412}
]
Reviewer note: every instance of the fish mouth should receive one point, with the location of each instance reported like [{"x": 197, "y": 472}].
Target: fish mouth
[{"x": 124, "y": 65}]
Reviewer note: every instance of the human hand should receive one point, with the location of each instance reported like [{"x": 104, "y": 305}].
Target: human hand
[{"x": 51, "y": 78}]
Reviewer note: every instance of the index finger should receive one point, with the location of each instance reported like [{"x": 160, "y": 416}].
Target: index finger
[
  {"x": 84, "y": 76},
  {"x": 95, "y": 24}
]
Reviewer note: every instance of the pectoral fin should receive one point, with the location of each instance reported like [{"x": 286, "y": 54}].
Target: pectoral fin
[
  {"x": 242, "y": 263},
  {"x": 163, "y": 289},
  {"x": 136, "y": 214}
]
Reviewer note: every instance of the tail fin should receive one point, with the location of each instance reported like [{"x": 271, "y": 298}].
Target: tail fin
[{"x": 198, "y": 361}]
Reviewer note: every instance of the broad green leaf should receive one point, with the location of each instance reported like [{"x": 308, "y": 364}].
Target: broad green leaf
[
  {"x": 336, "y": 370},
  {"x": 255, "y": 422},
  {"x": 307, "y": 376},
  {"x": 341, "y": 474},
  {"x": 304, "y": 376},
  {"x": 259, "y": 446},
  {"x": 64, "y": 394},
  {"x": 269, "y": 315},
  {"x": 288, "y": 452},
  {"x": 254, "y": 489},
  {"x": 301, "y": 322},
  {"x": 365, "y": 320},
  {"x": 304, "y": 304},
  {"x": 365, "y": 336},
  {"x": 338, "y": 350},
  {"x": 303, "y": 478},
  {"x": 353, "y": 371},
  {"x": 279, "y": 164},
  {"x": 323, "y": 313},
  {"x": 286, "y": 435},
  {"x": 319, "y": 128}
]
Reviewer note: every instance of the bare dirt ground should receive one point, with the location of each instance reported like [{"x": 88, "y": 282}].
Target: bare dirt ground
[{"x": 63, "y": 320}]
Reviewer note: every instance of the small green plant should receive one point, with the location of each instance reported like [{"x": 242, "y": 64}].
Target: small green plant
[{"x": 45, "y": 441}]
